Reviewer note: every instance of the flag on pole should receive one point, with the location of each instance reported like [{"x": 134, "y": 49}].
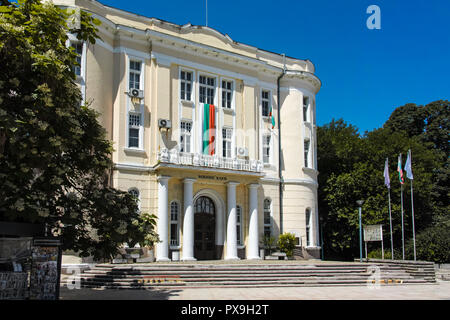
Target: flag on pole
[
  {"x": 399, "y": 169},
  {"x": 209, "y": 126},
  {"x": 272, "y": 117},
  {"x": 387, "y": 181},
  {"x": 408, "y": 167}
]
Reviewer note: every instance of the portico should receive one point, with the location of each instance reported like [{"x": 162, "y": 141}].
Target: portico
[{"x": 210, "y": 221}]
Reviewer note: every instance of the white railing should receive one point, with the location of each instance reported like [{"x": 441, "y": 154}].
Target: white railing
[{"x": 200, "y": 160}]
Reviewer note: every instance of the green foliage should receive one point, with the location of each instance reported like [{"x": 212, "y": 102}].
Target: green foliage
[
  {"x": 286, "y": 243},
  {"x": 351, "y": 168},
  {"x": 376, "y": 254},
  {"x": 269, "y": 242},
  {"x": 55, "y": 160},
  {"x": 432, "y": 244}
]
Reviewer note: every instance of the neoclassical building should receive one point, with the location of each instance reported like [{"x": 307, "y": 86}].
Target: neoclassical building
[{"x": 216, "y": 137}]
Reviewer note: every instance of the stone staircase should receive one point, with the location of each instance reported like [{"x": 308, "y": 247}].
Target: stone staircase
[{"x": 282, "y": 274}]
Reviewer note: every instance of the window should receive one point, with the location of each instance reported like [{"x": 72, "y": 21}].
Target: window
[
  {"x": 78, "y": 48},
  {"x": 305, "y": 109},
  {"x": 266, "y": 148},
  {"x": 185, "y": 137},
  {"x": 265, "y": 103},
  {"x": 227, "y": 134},
  {"x": 239, "y": 225},
  {"x": 306, "y": 149},
  {"x": 135, "y": 75},
  {"x": 308, "y": 227},
  {"x": 174, "y": 215},
  {"x": 227, "y": 94},
  {"x": 185, "y": 85},
  {"x": 207, "y": 89},
  {"x": 135, "y": 193},
  {"x": 267, "y": 218},
  {"x": 134, "y": 125}
]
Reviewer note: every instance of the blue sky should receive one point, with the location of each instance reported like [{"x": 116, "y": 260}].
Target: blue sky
[{"x": 365, "y": 73}]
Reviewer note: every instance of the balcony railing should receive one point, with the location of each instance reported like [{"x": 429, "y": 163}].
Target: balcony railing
[{"x": 200, "y": 160}]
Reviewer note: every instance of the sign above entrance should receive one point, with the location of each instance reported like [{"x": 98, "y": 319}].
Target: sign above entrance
[{"x": 212, "y": 178}]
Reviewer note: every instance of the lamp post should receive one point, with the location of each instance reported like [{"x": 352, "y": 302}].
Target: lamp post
[{"x": 360, "y": 203}]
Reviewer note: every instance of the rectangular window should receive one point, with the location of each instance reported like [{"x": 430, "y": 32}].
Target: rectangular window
[
  {"x": 238, "y": 225},
  {"x": 265, "y": 103},
  {"x": 185, "y": 85},
  {"x": 135, "y": 75},
  {"x": 185, "y": 136},
  {"x": 306, "y": 147},
  {"x": 174, "y": 238},
  {"x": 134, "y": 124},
  {"x": 308, "y": 227},
  {"x": 266, "y": 148},
  {"x": 207, "y": 87},
  {"x": 227, "y": 94},
  {"x": 305, "y": 109},
  {"x": 78, "y": 48},
  {"x": 227, "y": 134},
  {"x": 267, "y": 218}
]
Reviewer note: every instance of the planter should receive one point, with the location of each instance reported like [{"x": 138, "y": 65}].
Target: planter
[{"x": 262, "y": 253}]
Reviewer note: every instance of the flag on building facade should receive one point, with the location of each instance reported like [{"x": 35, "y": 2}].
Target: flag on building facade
[
  {"x": 408, "y": 167},
  {"x": 272, "y": 117},
  {"x": 387, "y": 181},
  {"x": 400, "y": 171},
  {"x": 209, "y": 129}
]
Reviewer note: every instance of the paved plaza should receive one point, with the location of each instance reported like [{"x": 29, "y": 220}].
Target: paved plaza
[{"x": 438, "y": 291}]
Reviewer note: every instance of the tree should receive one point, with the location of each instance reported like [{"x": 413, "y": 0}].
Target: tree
[
  {"x": 54, "y": 155},
  {"x": 351, "y": 168}
]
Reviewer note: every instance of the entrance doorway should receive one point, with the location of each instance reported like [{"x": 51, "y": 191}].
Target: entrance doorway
[{"x": 204, "y": 229}]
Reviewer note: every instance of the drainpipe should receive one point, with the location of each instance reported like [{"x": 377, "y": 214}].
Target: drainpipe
[{"x": 280, "y": 176}]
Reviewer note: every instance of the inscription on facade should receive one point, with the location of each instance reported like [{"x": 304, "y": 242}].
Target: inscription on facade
[{"x": 212, "y": 178}]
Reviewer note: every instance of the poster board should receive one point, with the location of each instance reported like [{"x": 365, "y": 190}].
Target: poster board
[
  {"x": 45, "y": 270},
  {"x": 373, "y": 232}
]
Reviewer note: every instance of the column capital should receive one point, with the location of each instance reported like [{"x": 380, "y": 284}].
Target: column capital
[
  {"x": 164, "y": 178},
  {"x": 232, "y": 183},
  {"x": 189, "y": 180},
  {"x": 253, "y": 185}
]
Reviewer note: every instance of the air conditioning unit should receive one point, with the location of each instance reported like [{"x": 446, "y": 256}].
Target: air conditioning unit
[
  {"x": 136, "y": 93},
  {"x": 242, "y": 152},
  {"x": 164, "y": 123}
]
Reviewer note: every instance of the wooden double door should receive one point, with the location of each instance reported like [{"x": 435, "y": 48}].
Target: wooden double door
[{"x": 204, "y": 229}]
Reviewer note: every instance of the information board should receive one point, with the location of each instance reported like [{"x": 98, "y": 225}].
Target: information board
[{"x": 373, "y": 232}]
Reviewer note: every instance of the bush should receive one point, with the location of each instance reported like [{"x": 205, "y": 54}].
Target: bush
[
  {"x": 376, "y": 254},
  {"x": 286, "y": 243},
  {"x": 432, "y": 244}
]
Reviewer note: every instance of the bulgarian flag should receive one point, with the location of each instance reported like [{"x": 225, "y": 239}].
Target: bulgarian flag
[
  {"x": 209, "y": 128},
  {"x": 271, "y": 117},
  {"x": 399, "y": 169}
]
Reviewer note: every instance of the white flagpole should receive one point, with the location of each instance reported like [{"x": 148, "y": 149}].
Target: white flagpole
[
  {"x": 390, "y": 224},
  {"x": 412, "y": 209},
  {"x": 403, "y": 233}
]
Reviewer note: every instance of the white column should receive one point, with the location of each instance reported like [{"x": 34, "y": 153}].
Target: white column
[
  {"x": 162, "y": 248},
  {"x": 253, "y": 238},
  {"x": 188, "y": 221},
  {"x": 231, "y": 222}
]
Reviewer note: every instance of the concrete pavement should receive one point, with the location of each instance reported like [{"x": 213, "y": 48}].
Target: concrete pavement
[{"x": 438, "y": 291}]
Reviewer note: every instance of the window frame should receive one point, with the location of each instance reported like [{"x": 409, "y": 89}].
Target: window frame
[
  {"x": 308, "y": 227},
  {"x": 240, "y": 223},
  {"x": 226, "y": 90},
  {"x": 192, "y": 72},
  {"x": 269, "y": 211},
  {"x": 184, "y": 133},
  {"x": 207, "y": 86},
  {"x": 269, "y": 146},
  {"x": 306, "y": 109},
  {"x": 227, "y": 140},
  {"x": 174, "y": 222},
  {"x": 269, "y": 102},
  {"x": 306, "y": 153}
]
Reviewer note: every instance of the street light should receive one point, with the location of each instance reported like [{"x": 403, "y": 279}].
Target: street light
[{"x": 360, "y": 203}]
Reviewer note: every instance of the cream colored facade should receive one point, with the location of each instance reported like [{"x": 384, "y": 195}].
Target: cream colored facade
[{"x": 154, "y": 162}]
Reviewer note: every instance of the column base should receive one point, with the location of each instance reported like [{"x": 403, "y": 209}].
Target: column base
[
  {"x": 254, "y": 258},
  {"x": 232, "y": 258},
  {"x": 188, "y": 259},
  {"x": 163, "y": 260}
]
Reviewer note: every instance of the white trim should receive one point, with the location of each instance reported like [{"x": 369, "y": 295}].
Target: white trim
[{"x": 133, "y": 167}]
